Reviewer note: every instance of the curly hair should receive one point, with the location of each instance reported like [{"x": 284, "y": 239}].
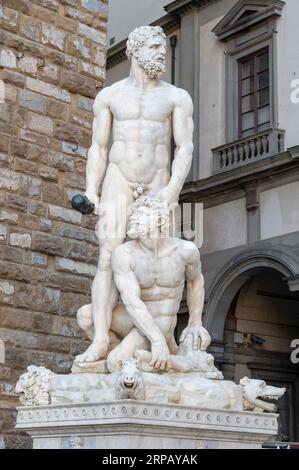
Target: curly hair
[
  {"x": 138, "y": 37},
  {"x": 155, "y": 205}
]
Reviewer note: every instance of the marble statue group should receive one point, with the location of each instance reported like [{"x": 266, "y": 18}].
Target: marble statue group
[
  {"x": 140, "y": 112},
  {"x": 143, "y": 270}
]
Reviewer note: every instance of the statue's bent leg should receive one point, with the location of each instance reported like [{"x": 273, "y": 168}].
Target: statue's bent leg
[
  {"x": 104, "y": 297},
  {"x": 126, "y": 349},
  {"x": 172, "y": 346},
  {"x": 121, "y": 323},
  {"x": 84, "y": 319}
]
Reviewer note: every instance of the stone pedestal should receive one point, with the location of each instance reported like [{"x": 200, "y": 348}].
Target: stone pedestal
[{"x": 130, "y": 424}]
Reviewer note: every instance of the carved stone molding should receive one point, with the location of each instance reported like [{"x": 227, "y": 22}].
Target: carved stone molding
[
  {"x": 134, "y": 412},
  {"x": 182, "y": 6},
  {"x": 223, "y": 184}
]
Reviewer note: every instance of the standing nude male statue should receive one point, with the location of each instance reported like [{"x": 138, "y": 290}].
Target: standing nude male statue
[{"x": 142, "y": 112}]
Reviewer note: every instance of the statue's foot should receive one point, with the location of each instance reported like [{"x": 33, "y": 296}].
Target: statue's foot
[{"x": 96, "y": 351}]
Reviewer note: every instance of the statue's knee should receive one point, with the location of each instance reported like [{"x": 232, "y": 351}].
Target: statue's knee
[{"x": 84, "y": 317}]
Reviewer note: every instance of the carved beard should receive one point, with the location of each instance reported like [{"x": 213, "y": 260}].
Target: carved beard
[{"x": 154, "y": 68}]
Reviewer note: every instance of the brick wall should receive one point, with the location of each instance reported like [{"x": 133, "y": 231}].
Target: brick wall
[{"x": 52, "y": 64}]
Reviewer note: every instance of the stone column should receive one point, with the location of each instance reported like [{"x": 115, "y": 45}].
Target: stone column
[{"x": 189, "y": 74}]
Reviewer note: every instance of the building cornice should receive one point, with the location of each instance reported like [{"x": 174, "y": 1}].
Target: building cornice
[
  {"x": 181, "y": 6},
  {"x": 116, "y": 54},
  {"x": 202, "y": 190}
]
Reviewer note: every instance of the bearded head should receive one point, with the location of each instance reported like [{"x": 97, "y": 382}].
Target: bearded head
[
  {"x": 147, "y": 45},
  {"x": 146, "y": 215}
]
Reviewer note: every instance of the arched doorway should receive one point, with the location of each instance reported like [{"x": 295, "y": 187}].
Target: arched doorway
[{"x": 252, "y": 313}]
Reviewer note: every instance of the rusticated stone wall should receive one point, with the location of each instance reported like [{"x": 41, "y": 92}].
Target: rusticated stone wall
[{"x": 52, "y": 64}]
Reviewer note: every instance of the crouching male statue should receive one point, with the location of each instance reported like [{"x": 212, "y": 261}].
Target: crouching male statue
[
  {"x": 141, "y": 112},
  {"x": 149, "y": 273}
]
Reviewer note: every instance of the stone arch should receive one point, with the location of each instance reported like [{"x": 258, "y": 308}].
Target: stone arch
[{"x": 234, "y": 275}]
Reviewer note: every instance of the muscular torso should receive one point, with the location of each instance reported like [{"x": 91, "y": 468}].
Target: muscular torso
[
  {"x": 161, "y": 278},
  {"x": 141, "y": 131}
]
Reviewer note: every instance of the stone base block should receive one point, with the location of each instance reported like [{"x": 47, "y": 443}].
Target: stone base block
[{"x": 130, "y": 424}]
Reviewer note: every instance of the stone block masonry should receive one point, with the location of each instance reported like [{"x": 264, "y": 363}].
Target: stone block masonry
[{"x": 52, "y": 65}]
